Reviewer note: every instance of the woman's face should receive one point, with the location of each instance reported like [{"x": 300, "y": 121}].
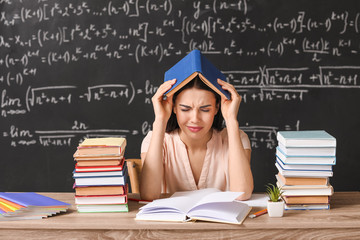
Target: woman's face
[{"x": 195, "y": 110}]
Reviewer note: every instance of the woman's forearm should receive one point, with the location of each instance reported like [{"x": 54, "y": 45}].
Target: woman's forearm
[
  {"x": 241, "y": 179},
  {"x": 153, "y": 169}
]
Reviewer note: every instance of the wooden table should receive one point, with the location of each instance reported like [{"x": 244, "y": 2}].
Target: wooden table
[{"x": 341, "y": 222}]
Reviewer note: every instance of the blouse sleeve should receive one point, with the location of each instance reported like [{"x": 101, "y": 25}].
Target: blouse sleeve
[
  {"x": 146, "y": 142},
  {"x": 245, "y": 140}
]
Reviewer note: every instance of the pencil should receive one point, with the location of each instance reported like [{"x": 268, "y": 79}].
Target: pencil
[
  {"x": 259, "y": 213},
  {"x": 140, "y": 201}
]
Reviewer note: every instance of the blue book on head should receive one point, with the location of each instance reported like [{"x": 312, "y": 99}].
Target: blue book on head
[
  {"x": 192, "y": 65},
  {"x": 31, "y": 199}
]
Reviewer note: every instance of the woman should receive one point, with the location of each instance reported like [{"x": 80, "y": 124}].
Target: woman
[{"x": 188, "y": 149}]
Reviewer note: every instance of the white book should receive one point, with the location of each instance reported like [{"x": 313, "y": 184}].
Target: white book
[
  {"x": 307, "y": 151},
  {"x": 100, "y": 181},
  {"x": 98, "y": 174},
  {"x": 309, "y": 138},
  {"x": 102, "y": 208},
  {"x": 206, "y": 204},
  {"x": 299, "y": 173},
  {"x": 304, "y": 167},
  {"x": 318, "y": 160},
  {"x": 324, "y": 191},
  {"x": 116, "y": 199}
]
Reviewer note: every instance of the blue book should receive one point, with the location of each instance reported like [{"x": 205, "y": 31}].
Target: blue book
[
  {"x": 31, "y": 199},
  {"x": 101, "y": 180},
  {"x": 307, "y": 207},
  {"x": 303, "y": 157},
  {"x": 192, "y": 65},
  {"x": 309, "y": 138},
  {"x": 303, "y": 167}
]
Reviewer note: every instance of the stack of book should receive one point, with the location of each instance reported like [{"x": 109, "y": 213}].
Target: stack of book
[
  {"x": 304, "y": 160},
  {"x": 28, "y": 205},
  {"x": 101, "y": 175}
]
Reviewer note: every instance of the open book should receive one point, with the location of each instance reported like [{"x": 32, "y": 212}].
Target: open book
[
  {"x": 207, "y": 205},
  {"x": 192, "y": 65}
]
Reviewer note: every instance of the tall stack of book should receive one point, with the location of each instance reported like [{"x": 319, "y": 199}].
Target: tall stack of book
[
  {"x": 304, "y": 160},
  {"x": 101, "y": 175}
]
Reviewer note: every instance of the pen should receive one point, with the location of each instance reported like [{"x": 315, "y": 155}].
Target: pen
[
  {"x": 259, "y": 213},
  {"x": 139, "y": 201}
]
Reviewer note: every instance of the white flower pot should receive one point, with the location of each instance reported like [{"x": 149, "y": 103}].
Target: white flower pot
[{"x": 275, "y": 209}]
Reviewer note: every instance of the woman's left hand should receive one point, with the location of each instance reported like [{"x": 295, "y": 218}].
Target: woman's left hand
[{"x": 229, "y": 108}]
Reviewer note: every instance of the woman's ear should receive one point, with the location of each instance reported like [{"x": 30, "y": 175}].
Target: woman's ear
[{"x": 217, "y": 108}]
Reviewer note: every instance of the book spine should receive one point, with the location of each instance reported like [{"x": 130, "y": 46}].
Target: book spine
[{"x": 196, "y": 60}]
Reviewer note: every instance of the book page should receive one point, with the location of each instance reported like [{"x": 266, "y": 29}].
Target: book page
[
  {"x": 179, "y": 202},
  {"x": 256, "y": 200},
  {"x": 228, "y": 212},
  {"x": 218, "y": 197}
]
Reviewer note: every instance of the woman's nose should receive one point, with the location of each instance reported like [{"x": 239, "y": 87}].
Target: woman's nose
[{"x": 195, "y": 116}]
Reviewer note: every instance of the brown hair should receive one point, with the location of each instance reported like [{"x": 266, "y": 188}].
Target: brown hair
[{"x": 172, "y": 123}]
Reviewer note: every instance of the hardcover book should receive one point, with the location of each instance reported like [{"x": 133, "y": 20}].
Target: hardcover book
[
  {"x": 192, "y": 65},
  {"x": 309, "y": 138},
  {"x": 296, "y": 160},
  {"x": 303, "y": 180}
]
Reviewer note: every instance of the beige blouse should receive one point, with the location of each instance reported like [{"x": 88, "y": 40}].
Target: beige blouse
[{"x": 178, "y": 175}]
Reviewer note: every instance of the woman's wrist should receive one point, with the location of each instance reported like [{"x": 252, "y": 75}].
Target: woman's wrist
[
  {"x": 232, "y": 123},
  {"x": 159, "y": 124}
]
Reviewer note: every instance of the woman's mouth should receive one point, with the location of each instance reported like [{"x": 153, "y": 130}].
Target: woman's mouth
[{"x": 194, "y": 129}]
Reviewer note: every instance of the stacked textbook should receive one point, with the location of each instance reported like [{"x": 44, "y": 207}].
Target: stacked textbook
[
  {"x": 304, "y": 160},
  {"x": 28, "y": 205},
  {"x": 100, "y": 175}
]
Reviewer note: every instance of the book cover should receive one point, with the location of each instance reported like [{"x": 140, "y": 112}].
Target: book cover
[
  {"x": 206, "y": 204},
  {"x": 109, "y": 142},
  {"x": 302, "y": 173},
  {"x": 189, "y": 67},
  {"x": 98, "y": 168},
  {"x": 99, "y": 190},
  {"x": 327, "y": 191},
  {"x": 289, "y": 200},
  {"x": 96, "y": 208},
  {"x": 92, "y": 163},
  {"x": 98, "y": 152},
  {"x": 29, "y": 199},
  {"x": 295, "y": 187},
  {"x": 303, "y": 180},
  {"x": 303, "y": 167},
  {"x": 101, "y": 181},
  {"x": 93, "y": 200},
  {"x": 307, "y": 138},
  {"x": 307, "y": 151},
  {"x": 308, "y": 207},
  {"x": 99, "y": 174},
  {"x": 317, "y": 160}
]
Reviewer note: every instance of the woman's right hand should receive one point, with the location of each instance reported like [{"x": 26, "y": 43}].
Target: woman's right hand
[{"x": 163, "y": 108}]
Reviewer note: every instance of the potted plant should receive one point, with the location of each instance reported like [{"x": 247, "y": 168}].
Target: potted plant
[{"x": 275, "y": 204}]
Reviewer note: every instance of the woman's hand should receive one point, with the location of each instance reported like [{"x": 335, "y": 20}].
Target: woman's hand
[
  {"x": 229, "y": 108},
  {"x": 163, "y": 108}
]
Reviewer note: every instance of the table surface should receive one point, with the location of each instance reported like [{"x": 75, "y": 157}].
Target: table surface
[{"x": 343, "y": 217}]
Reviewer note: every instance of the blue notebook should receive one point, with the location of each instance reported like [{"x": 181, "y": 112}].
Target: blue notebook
[
  {"x": 29, "y": 199},
  {"x": 192, "y": 65}
]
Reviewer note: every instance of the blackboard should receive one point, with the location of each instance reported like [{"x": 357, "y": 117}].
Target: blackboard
[{"x": 77, "y": 69}]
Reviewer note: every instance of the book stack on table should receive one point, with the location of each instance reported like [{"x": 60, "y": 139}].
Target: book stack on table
[
  {"x": 28, "y": 205},
  {"x": 101, "y": 175},
  {"x": 305, "y": 160}
]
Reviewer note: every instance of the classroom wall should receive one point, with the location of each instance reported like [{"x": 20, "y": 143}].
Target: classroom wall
[{"x": 77, "y": 69}]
